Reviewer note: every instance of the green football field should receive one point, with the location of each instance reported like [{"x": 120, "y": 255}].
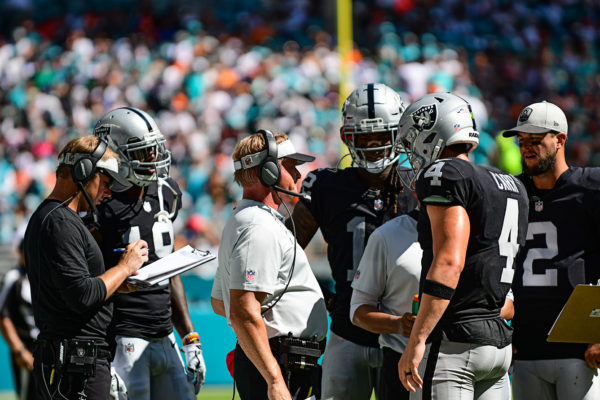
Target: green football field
[
  {"x": 217, "y": 393},
  {"x": 207, "y": 393}
]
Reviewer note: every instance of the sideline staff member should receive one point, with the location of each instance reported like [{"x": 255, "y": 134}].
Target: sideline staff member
[
  {"x": 561, "y": 251},
  {"x": 69, "y": 284},
  {"x": 264, "y": 284}
]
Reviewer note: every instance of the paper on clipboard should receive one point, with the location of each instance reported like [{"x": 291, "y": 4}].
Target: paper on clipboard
[
  {"x": 175, "y": 263},
  {"x": 579, "y": 320}
]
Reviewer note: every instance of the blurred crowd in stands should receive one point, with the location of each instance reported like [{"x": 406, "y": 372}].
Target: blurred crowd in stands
[{"x": 222, "y": 69}]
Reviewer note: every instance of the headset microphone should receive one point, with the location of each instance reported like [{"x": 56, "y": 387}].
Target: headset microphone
[{"x": 282, "y": 190}]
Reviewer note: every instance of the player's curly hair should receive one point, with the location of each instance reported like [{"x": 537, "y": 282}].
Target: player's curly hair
[
  {"x": 249, "y": 145},
  {"x": 81, "y": 145}
]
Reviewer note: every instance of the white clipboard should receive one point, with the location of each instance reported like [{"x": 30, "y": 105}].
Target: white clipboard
[{"x": 175, "y": 263}]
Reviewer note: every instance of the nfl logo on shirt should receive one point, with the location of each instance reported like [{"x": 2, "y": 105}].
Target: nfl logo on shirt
[
  {"x": 250, "y": 274},
  {"x": 539, "y": 205}
]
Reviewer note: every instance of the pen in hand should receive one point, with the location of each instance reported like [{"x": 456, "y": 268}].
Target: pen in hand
[{"x": 122, "y": 250}]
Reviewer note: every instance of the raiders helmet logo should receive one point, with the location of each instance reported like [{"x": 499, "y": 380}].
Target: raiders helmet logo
[
  {"x": 524, "y": 116},
  {"x": 425, "y": 117}
]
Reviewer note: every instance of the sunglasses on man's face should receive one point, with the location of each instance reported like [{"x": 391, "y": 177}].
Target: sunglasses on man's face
[{"x": 108, "y": 180}]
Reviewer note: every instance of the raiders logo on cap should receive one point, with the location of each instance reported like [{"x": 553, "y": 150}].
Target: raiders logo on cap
[{"x": 524, "y": 116}]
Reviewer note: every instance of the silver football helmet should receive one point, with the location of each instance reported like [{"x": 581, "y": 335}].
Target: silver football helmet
[
  {"x": 431, "y": 123},
  {"x": 136, "y": 138},
  {"x": 370, "y": 111}
]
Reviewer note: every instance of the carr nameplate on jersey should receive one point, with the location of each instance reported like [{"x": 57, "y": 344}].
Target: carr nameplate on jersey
[{"x": 579, "y": 320}]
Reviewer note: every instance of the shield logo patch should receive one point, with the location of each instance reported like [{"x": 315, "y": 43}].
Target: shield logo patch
[
  {"x": 539, "y": 206},
  {"x": 524, "y": 116}
]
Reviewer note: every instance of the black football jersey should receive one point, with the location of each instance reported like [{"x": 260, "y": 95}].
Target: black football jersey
[
  {"x": 496, "y": 204},
  {"x": 347, "y": 212},
  {"x": 561, "y": 252},
  {"x": 145, "y": 313}
]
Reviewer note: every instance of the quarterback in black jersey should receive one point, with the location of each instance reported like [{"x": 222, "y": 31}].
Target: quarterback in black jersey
[
  {"x": 348, "y": 205},
  {"x": 561, "y": 252},
  {"x": 473, "y": 221},
  {"x": 146, "y": 355}
]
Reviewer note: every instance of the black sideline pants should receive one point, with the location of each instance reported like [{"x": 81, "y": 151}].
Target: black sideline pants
[
  {"x": 392, "y": 387},
  {"x": 251, "y": 385},
  {"x": 68, "y": 387}
]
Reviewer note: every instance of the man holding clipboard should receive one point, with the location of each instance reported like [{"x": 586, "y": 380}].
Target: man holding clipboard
[
  {"x": 561, "y": 252},
  {"x": 579, "y": 320}
]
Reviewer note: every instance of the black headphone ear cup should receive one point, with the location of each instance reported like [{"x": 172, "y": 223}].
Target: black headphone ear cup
[
  {"x": 83, "y": 169},
  {"x": 85, "y": 165},
  {"x": 269, "y": 173}
]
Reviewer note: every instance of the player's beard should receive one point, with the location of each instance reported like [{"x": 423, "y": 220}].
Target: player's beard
[{"x": 544, "y": 165}]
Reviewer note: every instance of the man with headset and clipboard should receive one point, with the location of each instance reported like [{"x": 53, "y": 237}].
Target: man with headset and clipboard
[
  {"x": 70, "y": 284},
  {"x": 264, "y": 285}
]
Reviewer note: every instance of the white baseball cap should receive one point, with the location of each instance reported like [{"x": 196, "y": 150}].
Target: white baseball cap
[
  {"x": 284, "y": 149},
  {"x": 108, "y": 167},
  {"x": 539, "y": 118}
]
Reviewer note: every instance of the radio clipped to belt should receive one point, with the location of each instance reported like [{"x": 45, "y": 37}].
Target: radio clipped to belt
[
  {"x": 76, "y": 356},
  {"x": 296, "y": 353}
]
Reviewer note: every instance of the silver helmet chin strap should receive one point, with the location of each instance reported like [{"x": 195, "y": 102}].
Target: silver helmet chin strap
[{"x": 163, "y": 215}]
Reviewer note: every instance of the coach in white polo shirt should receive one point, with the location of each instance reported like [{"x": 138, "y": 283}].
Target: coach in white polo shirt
[{"x": 264, "y": 285}]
